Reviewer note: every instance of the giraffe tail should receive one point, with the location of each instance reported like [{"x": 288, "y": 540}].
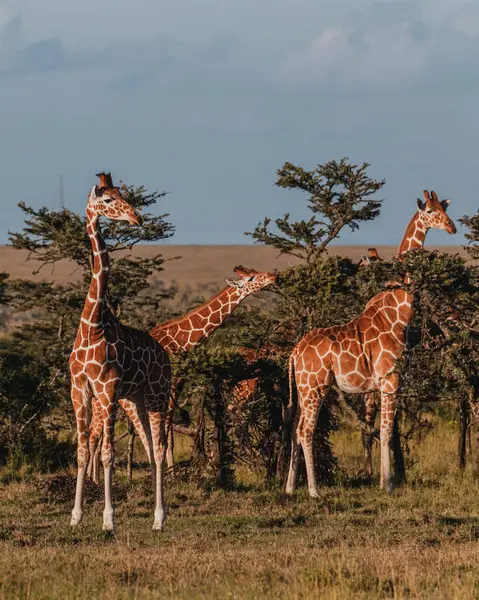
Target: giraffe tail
[{"x": 289, "y": 409}]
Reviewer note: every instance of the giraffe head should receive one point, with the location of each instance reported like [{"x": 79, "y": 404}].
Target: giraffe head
[
  {"x": 106, "y": 200},
  {"x": 370, "y": 257},
  {"x": 250, "y": 281},
  {"x": 432, "y": 213}
]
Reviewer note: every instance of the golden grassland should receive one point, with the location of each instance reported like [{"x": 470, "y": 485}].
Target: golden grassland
[
  {"x": 422, "y": 541},
  {"x": 198, "y": 266}
]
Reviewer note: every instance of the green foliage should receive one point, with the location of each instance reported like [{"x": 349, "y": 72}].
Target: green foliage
[
  {"x": 50, "y": 236},
  {"x": 27, "y": 392},
  {"x": 440, "y": 369},
  {"x": 338, "y": 196},
  {"x": 3, "y": 288},
  {"x": 472, "y": 223}
]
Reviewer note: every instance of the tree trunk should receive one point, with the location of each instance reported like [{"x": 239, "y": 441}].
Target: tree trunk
[
  {"x": 474, "y": 419},
  {"x": 220, "y": 438},
  {"x": 399, "y": 465},
  {"x": 463, "y": 427},
  {"x": 131, "y": 447}
]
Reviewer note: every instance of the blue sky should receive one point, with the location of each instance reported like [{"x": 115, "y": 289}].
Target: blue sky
[{"x": 207, "y": 98}]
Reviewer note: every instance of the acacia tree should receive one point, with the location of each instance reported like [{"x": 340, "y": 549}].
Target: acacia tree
[
  {"x": 338, "y": 196},
  {"x": 323, "y": 289},
  {"x": 440, "y": 373},
  {"x": 50, "y": 236}
]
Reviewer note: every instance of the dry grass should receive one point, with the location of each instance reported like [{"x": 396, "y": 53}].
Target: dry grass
[
  {"x": 354, "y": 542},
  {"x": 198, "y": 266}
]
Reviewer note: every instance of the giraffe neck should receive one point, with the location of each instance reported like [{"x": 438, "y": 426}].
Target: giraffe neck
[
  {"x": 95, "y": 303},
  {"x": 415, "y": 235},
  {"x": 184, "y": 333}
]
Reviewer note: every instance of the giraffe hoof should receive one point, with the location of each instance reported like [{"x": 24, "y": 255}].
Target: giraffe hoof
[
  {"x": 388, "y": 487},
  {"x": 76, "y": 519},
  {"x": 313, "y": 493},
  {"x": 158, "y": 526},
  {"x": 108, "y": 522}
]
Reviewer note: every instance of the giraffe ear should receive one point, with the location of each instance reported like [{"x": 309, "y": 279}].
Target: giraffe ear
[
  {"x": 445, "y": 203},
  {"x": 99, "y": 191},
  {"x": 421, "y": 205}
]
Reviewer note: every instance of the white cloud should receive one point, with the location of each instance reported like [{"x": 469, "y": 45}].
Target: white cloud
[
  {"x": 390, "y": 45},
  {"x": 10, "y": 28}
]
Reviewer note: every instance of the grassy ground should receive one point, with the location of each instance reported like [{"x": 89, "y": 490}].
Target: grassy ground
[{"x": 354, "y": 542}]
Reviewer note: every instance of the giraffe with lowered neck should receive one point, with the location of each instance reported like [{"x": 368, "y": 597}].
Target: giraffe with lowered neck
[
  {"x": 111, "y": 361},
  {"x": 183, "y": 334},
  {"x": 359, "y": 356}
]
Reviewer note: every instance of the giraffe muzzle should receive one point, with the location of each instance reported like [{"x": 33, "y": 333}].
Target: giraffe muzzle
[
  {"x": 135, "y": 219},
  {"x": 451, "y": 228}
]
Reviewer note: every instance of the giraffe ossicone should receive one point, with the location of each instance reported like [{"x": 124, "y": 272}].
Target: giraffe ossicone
[
  {"x": 110, "y": 361},
  {"x": 359, "y": 356}
]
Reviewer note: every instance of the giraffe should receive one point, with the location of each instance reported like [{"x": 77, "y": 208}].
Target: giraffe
[
  {"x": 183, "y": 334},
  {"x": 370, "y": 401},
  {"x": 244, "y": 390},
  {"x": 111, "y": 361},
  {"x": 359, "y": 356},
  {"x": 371, "y": 257}
]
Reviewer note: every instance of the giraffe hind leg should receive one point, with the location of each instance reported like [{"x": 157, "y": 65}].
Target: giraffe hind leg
[
  {"x": 310, "y": 405},
  {"x": 95, "y": 441},
  {"x": 295, "y": 447},
  {"x": 369, "y": 409},
  {"x": 109, "y": 408}
]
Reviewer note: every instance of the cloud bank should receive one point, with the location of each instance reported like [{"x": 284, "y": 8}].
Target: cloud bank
[{"x": 392, "y": 46}]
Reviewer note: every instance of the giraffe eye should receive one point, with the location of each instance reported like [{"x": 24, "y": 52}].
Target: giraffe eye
[
  {"x": 107, "y": 199},
  {"x": 429, "y": 211}
]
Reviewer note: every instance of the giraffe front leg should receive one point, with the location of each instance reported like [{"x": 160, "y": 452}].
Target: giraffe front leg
[
  {"x": 389, "y": 389},
  {"x": 158, "y": 435},
  {"x": 80, "y": 406},
  {"x": 108, "y": 457}
]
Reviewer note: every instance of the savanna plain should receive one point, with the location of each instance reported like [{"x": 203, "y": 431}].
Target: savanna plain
[{"x": 355, "y": 541}]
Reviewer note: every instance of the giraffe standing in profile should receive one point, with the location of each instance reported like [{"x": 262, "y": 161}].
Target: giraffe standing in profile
[
  {"x": 111, "y": 361},
  {"x": 183, "y": 334},
  {"x": 359, "y": 356},
  {"x": 244, "y": 390}
]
